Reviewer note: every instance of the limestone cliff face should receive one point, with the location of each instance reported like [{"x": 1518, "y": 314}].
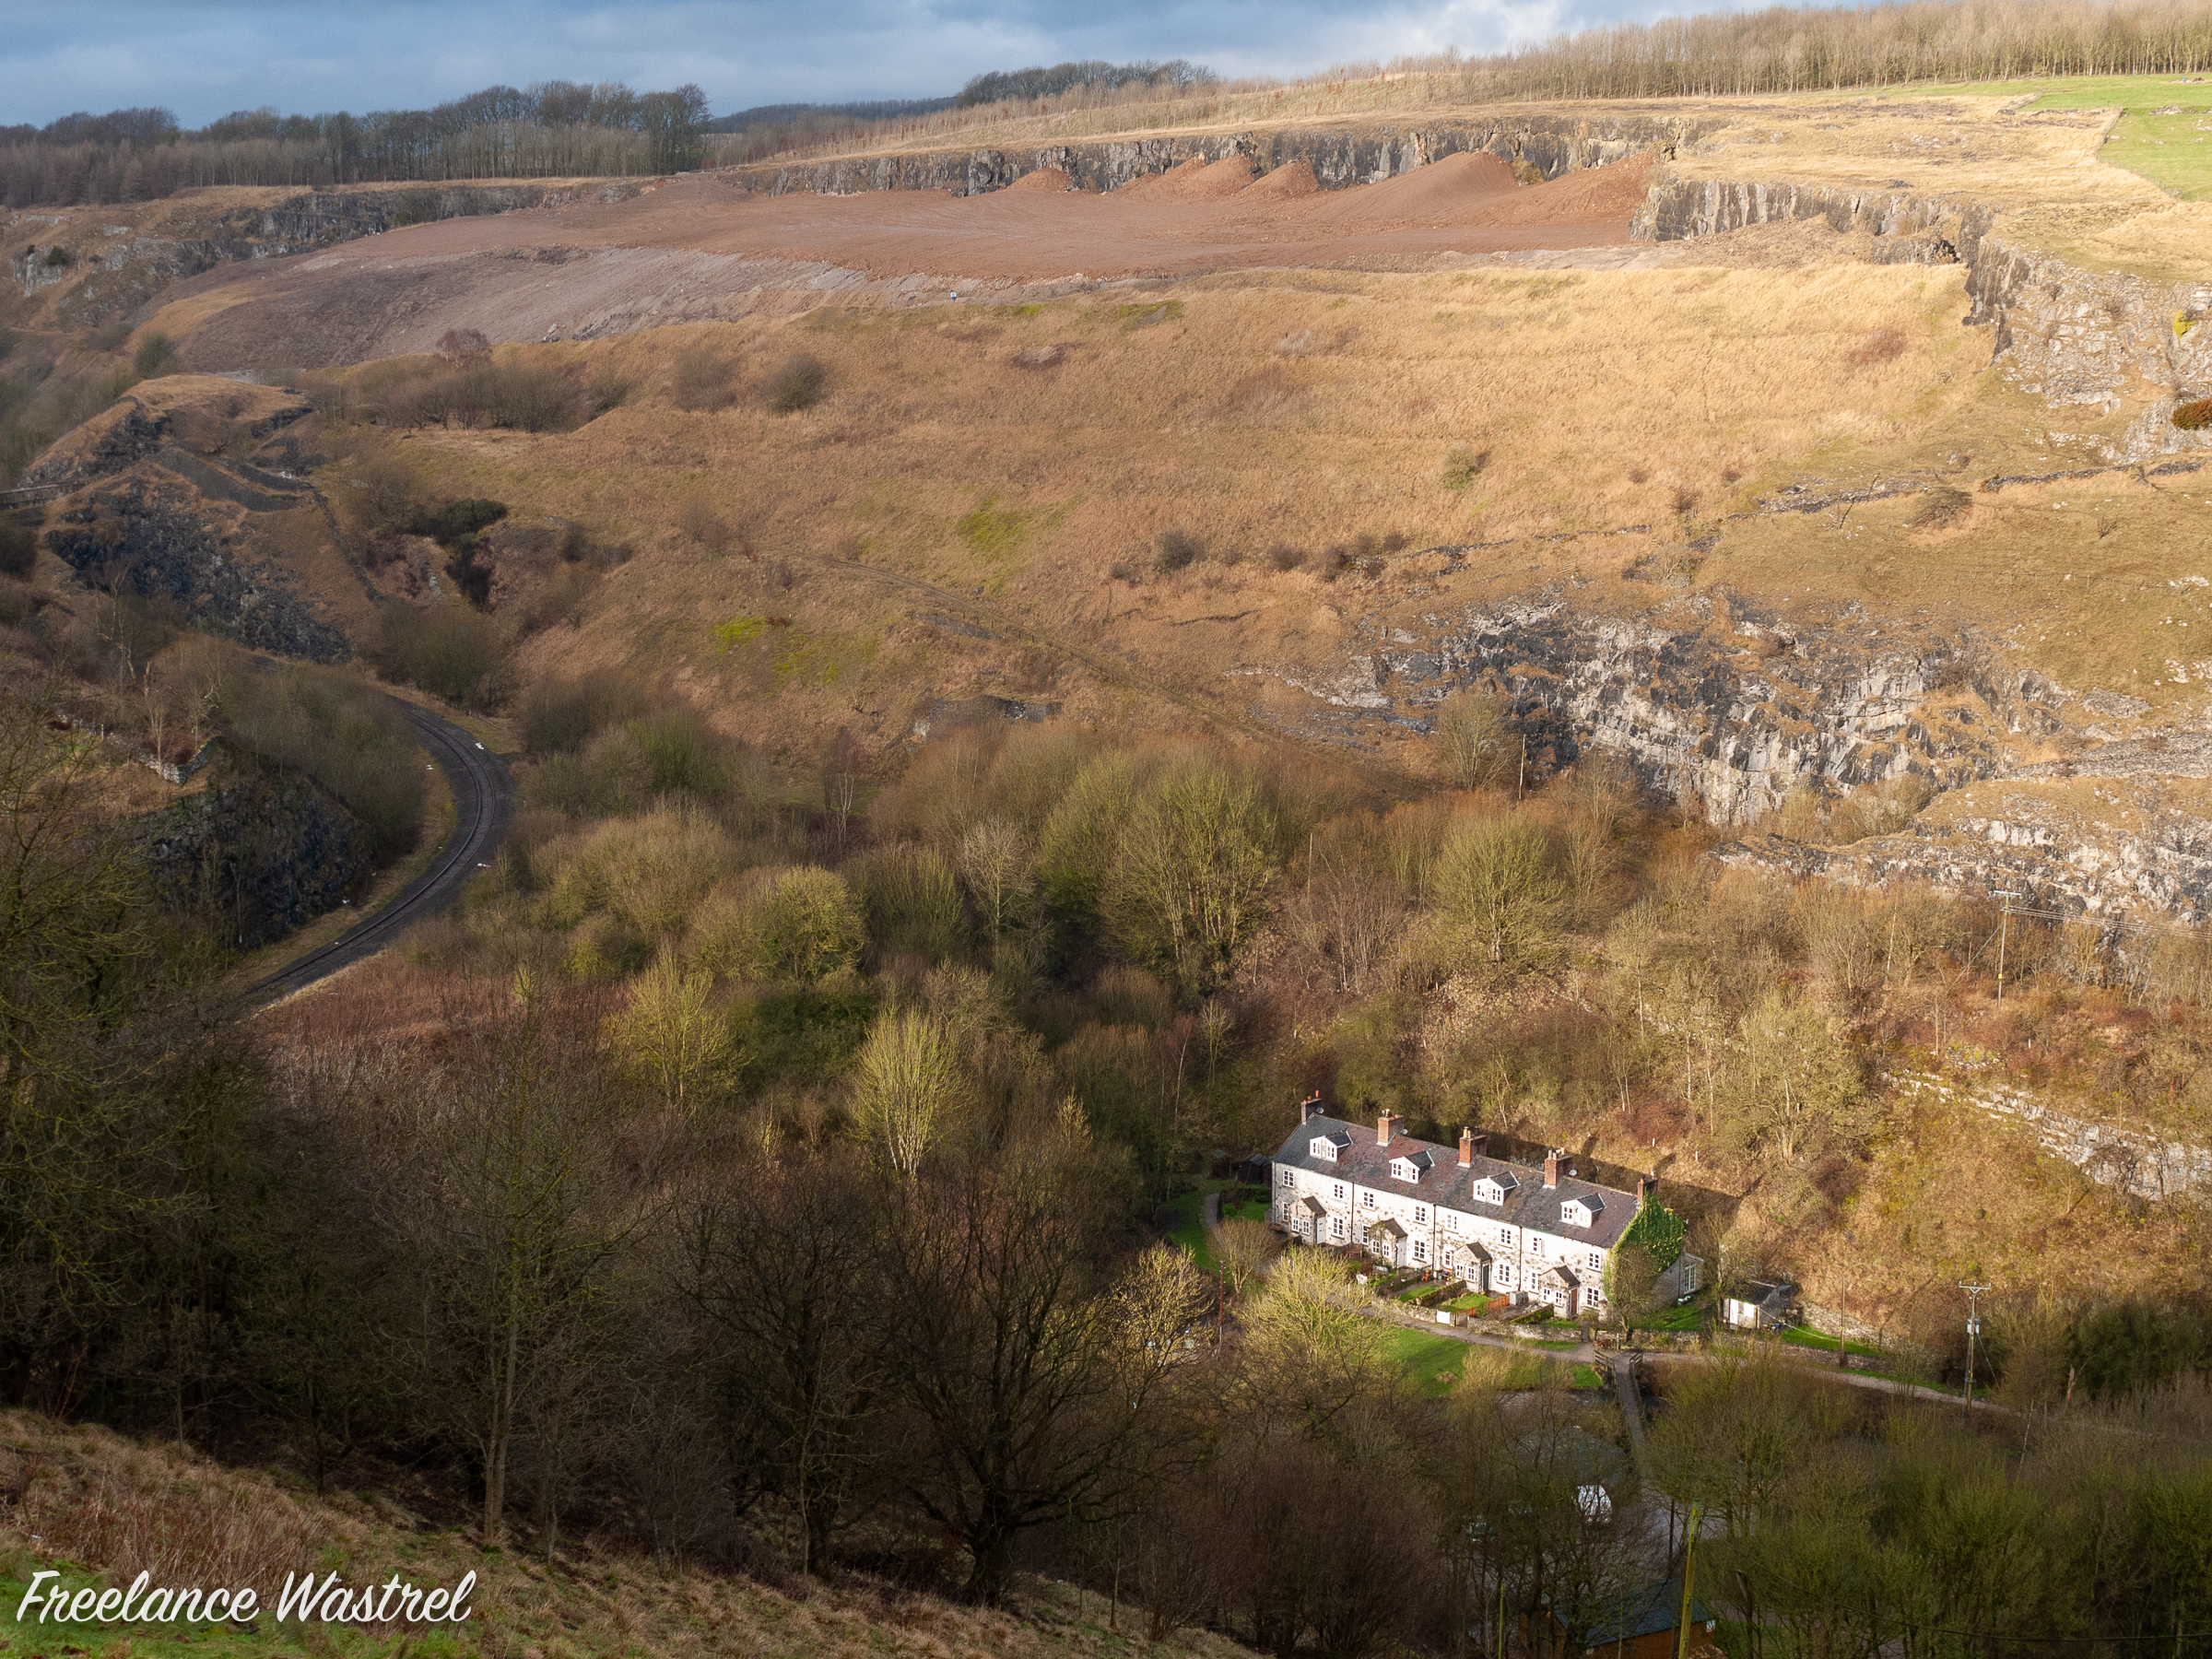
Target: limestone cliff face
[
  {"x": 1338, "y": 155},
  {"x": 2074, "y": 337},
  {"x": 1707, "y": 697}
]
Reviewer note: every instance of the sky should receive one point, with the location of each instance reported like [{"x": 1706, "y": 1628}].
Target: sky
[{"x": 206, "y": 58}]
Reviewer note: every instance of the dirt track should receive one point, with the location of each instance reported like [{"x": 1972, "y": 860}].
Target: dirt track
[{"x": 698, "y": 248}]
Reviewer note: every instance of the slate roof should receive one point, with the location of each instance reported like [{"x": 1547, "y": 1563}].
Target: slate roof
[
  {"x": 1650, "y": 1612},
  {"x": 1447, "y": 1185}
]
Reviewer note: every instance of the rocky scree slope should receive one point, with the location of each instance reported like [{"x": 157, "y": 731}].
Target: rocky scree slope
[{"x": 143, "y": 508}]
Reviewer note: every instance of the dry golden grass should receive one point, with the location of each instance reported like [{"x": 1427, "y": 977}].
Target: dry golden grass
[
  {"x": 940, "y": 477},
  {"x": 102, "y": 1503}
]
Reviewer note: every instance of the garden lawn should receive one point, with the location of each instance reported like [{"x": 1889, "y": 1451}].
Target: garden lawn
[
  {"x": 1432, "y": 1362},
  {"x": 1800, "y": 1337}
]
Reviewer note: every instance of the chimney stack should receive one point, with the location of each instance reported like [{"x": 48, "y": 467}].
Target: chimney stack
[
  {"x": 1552, "y": 1169},
  {"x": 1387, "y": 1127},
  {"x": 1644, "y": 1190},
  {"x": 1466, "y": 1147},
  {"x": 1306, "y": 1106}
]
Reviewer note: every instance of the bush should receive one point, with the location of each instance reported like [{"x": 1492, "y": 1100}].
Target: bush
[
  {"x": 525, "y": 397},
  {"x": 1941, "y": 505},
  {"x": 349, "y": 740},
  {"x": 1176, "y": 549},
  {"x": 18, "y": 546},
  {"x": 448, "y": 652},
  {"x": 911, "y": 900},
  {"x": 157, "y": 355},
  {"x": 561, "y": 716},
  {"x": 1463, "y": 466},
  {"x": 797, "y": 384},
  {"x": 803, "y": 927},
  {"x": 2193, "y": 417},
  {"x": 56, "y": 257},
  {"x": 701, "y": 381},
  {"x": 1284, "y": 557}
]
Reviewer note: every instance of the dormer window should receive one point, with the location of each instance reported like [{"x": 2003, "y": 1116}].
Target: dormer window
[
  {"x": 1495, "y": 1189},
  {"x": 1412, "y": 1167},
  {"x": 1582, "y": 1212},
  {"x": 1329, "y": 1146}
]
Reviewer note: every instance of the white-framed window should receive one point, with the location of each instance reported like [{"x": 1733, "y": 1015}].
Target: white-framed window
[
  {"x": 1536, "y": 1246},
  {"x": 1420, "y": 1214},
  {"x": 1591, "y": 1293},
  {"x": 1597, "y": 1261},
  {"x": 1505, "y": 1273},
  {"x": 1338, "y": 1187},
  {"x": 1283, "y": 1177},
  {"x": 1367, "y": 1199},
  {"x": 1505, "y": 1235},
  {"x": 1451, "y": 1221},
  {"x": 1420, "y": 1250},
  {"x": 1336, "y": 1226}
]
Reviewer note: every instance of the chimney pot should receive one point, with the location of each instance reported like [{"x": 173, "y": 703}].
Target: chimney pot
[
  {"x": 1466, "y": 1147},
  {"x": 1552, "y": 1169}
]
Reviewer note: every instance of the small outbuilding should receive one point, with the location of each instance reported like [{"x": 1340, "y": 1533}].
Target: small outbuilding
[
  {"x": 1644, "y": 1625},
  {"x": 1761, "y": 1305}
]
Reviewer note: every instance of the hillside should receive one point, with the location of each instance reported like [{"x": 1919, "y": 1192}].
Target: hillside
[
  {"x": 1806, "y": 486},
  {"x": 102, "y": 1507}
]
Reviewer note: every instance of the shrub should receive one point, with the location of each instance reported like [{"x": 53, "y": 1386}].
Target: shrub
[
  {"x": 18, "y": 546},
  {"x": 606, "y": 391},
  {"x": 1475, "y": 739},
  {"x": 1463, "y": 466},
  {"x": 1939, "y": 506},
  {"x": 561, "y": 716},
  {"x": 1333, "y": 563},
  {"x": 2193, "y": 417},
  {"x": 526, "y": 397},
  {"x": 1121, "y": 570},
  {"x": 1284, "y": 557},
  {"x": 157, "y": 355},
  {"x": 349, "y": 740},
  {"x": 448, "y": 652},
  {"x": 798, "y": 384},
  {"x": 56, "y": 258},
  {"x": 1685, "y": 500},
  {"x": 681, "y": 753},
  {"x": 911, "y": 900},
  {"x": 1176, "y": 549},
  {"x": 803, "y": 927},
  {"x": 701, "y": 381}
]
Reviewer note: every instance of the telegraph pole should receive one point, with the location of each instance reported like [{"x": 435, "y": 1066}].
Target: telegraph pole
[
  {"x": 1973, "y": 1332},
  {"x": 2003, "y": 925}
]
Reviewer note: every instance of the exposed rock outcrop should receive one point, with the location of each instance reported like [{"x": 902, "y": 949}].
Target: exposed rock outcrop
[
  {"x": 259, "y": 853},
  {"x": 2072, "y": 336},
  {"x": 1339, "y": 156},
  {"x": 1709, "y": 697},
  {"x": 124, "y": 536}
]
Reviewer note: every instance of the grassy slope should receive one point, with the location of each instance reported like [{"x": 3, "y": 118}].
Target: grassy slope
[
  {"x": 98, "y": 1501},
  {"x": 957, "y": 477},
  {"x": 2164, "y": 131}
]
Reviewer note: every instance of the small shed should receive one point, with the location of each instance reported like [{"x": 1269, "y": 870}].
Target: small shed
[
  {"x": 1761, "y": 1305},
  {"x": 1644, "y": 1624}
]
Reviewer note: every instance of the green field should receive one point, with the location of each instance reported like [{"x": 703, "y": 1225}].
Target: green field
[
  {"x": 2165, "y": 136},
  {"x": 1426, "y": 1359}
]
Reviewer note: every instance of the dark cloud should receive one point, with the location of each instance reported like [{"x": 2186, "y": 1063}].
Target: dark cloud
[{"x": 204, "y": 58}]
